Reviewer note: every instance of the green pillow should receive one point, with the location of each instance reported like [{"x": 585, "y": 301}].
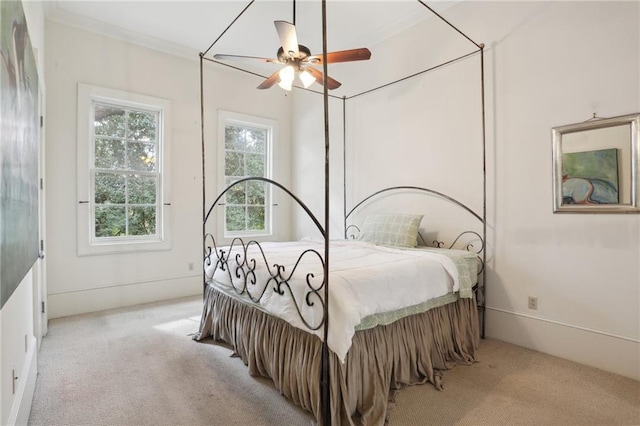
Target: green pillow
[{"x": 396, "y": 230}]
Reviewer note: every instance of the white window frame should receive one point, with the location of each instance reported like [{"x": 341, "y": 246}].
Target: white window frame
[
  {"x": 87, "y": 243},
  {"x": 234, "y": 118}
]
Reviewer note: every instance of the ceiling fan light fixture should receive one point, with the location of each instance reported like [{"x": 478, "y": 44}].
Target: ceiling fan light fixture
[
  {"x": 298, "y": 61},
  {"x": 287, "y": 74},
  {"x": 306, "y": 78}
]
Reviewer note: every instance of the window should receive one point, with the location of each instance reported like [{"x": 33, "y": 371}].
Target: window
[
  {"x": 247, "y": 152},
  {"x": 122, "y": 171},
  {"x": 125, "y": 174}
]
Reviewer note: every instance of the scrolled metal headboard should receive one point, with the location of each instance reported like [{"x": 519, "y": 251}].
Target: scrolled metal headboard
[
  {"x": 415, "y": 188},
  {"x": 480, "y": 252}
]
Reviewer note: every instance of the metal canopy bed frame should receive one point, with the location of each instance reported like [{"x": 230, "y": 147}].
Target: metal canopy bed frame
[{"x": 320, "y": 293}]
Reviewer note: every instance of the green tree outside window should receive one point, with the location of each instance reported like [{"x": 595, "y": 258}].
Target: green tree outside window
[
  {"x": 125, "y": 172},
  {"x": 245, "y": 156}
]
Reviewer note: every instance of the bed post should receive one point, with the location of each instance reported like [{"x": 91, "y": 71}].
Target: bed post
[
  {"x": 483, "y": 291},
  {"x": 344, "y": 164},
  {"x": 324, "y": 378},
  {"x": 204, "y": 192},
  {"x": 204, "y": 205}
]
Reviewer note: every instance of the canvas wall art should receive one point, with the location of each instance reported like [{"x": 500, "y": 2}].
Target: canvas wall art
[
  {"x": 19, "y": 127},
  {"x": 590, "y": 177}
]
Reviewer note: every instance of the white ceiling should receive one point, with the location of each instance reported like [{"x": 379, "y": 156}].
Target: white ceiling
[
  {"x": 193, "y": 25},
  {"x": 188, "y": 27}
]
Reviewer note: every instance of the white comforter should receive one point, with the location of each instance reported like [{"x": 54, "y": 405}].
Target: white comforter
[{"x": 365, "y": 279}]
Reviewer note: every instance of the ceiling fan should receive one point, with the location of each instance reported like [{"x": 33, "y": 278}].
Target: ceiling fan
[{"x": 298, "y": 60}]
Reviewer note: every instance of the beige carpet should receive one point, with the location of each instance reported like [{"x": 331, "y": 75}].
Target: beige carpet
[{"x": 138, "y": 366}]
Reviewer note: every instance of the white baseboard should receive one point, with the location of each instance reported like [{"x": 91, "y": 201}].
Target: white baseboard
[
  {"x": 19, "y": 414},
  {"x": 616, "y": 354},
  {"x": 100, "y": 299}
]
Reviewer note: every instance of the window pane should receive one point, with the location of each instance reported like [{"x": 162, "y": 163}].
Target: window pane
[
  {"x": 141, "y": 126},
  {"x": 109, "y": 121},
  {"x": 141, "y": 156},
  {"x": 142, "y": 221},
  {"x": 236, "y": 195},
  {"x": 247, "y": 148},
  {"x": 255, "y": 140},
  {"x": 234, "y": 218},
  {"x": 255, "y": 219},
  {"x": 142, "y": 189},
  {"x": 234, "y": 164},
  {"x": 110, "y": 222},
  {"x": 234, "y": 138},
  {"x": 255, "y": 192},
  {"x": 109, "y": 153},
  {"x": 255, "y": 165},
  {"x": 110, "y": 188}
]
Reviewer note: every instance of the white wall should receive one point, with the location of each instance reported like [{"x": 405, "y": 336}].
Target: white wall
[
  {"x": 308, "y": 153},
  {"x": 563, "y": 62},
  {"x": 89, "y": 283},
  {"x": 546, "y": 64},
  {"x": 18, "y": 330}
]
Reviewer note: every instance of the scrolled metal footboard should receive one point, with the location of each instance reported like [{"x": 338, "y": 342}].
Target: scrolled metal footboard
[{"x": 239, "y": 261}]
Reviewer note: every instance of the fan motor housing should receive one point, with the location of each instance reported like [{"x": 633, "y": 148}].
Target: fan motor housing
[{"x": 303, "y": 54}]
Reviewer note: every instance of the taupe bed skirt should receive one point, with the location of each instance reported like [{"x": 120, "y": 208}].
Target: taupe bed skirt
[{"x": 381, "y": 360}]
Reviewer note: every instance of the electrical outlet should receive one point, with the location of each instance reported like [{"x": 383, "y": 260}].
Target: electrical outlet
[
  {"x": 190, "y": 266},
  {"x": 533, "y": 302}
]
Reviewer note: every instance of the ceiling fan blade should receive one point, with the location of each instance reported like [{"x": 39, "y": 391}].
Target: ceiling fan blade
[
  {"x": 361, "y": 54},
  {"x": 288, "y": 37},
  {"x": 244, "y": 58},
  {"x": 331, "y": 83},
  {"x": 270, "y": 81}
]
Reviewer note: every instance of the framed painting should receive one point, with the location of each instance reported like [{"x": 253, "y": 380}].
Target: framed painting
[
  {"x": 19, "y": 136},
  {"x": 595, "y": 166}
]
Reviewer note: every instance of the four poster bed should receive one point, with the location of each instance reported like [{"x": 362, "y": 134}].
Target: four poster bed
[{"x": 341, "y": 325}]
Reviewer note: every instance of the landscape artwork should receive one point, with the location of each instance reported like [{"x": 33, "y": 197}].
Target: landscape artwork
[
  {"x": 19, "y": 126},
  {"x": 590, "y": 177}
]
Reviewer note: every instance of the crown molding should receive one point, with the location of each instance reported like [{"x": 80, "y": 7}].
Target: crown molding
[{"x": 59, "y": 15}]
